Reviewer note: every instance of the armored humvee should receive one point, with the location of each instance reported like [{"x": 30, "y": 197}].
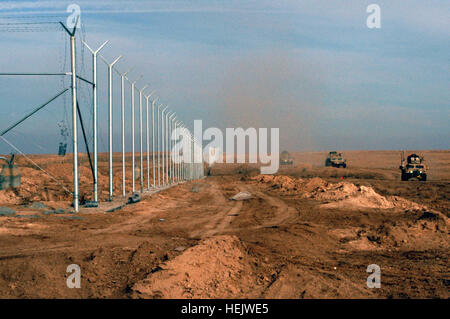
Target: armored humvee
[
  {"x": 413, "y": 168},
  {"x": 335, "y": 159},
  {"x": 285, "y": 158}
]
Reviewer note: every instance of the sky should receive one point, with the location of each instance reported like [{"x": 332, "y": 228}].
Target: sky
[{"x": 312, "y": 68}]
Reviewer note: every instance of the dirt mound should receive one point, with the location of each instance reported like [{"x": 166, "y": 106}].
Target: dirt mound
[
  {"x": 329, "y": 191},
  {"x": 342, "y": 194},
  {"x": 415, "y": 230},
  {"x": 219, "y": 267},
  {"x": 281, "y": 182},
  {"x": 314, "y": 184},
  {"x": 303, "y": 283},
  {"x": 292, "y": 184},
  {"x": 349, "y": 195},
  {"x": 36, "y": 186}
]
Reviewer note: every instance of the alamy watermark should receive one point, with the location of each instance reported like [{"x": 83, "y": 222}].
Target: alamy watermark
[
  {"x": 235, "y": 141},
  {"x": 74, "y": 279},
  {"x": 373, "y": 20},
  {"x": 74, "y": 17},
  {"x": 374, "y": 279}
]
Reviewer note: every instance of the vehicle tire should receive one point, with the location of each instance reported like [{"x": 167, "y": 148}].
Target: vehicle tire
[
  {"x": 344, "y": 165},
  {"x": 424, "y": 177}
]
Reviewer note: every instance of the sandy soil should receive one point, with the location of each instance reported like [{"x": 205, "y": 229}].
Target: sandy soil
[{"x": 309, "y": 232}]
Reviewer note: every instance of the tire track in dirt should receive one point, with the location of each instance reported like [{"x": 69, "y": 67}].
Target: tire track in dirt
[
  {"x": 224, "y": 220},
  {"x": 128, "y": 225},
  {"x": 34, "y": 251},
  {"x": 282, "y": 213},
  {"x": 221, "y": 222}
]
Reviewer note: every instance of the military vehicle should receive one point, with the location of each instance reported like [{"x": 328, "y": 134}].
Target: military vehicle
[
  {"x": 335, "y": 159},
  {"x": 9, "y": 173},
  {"x": 413, "y": 168},
  {"x": 285, "y": 158}
]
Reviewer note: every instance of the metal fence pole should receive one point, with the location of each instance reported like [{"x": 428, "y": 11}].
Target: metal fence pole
[
  {"x": 133, "y": 178},
  {"x": 192, "y": 158},
  {"x": 122, "y": 78},
  {"x": 159, "y": 145},
  {"x": 74, "y": 113},
  {"x": 182, "y": 158},
  {"x": 171, "y": 161},
  {"x": 178, "y": 153},
  {"x": 183, "y": 166},
  {"x": 166, "y": 120},
  {"x": 163, "y": 146},
  {"x": 141, "y": 161},
  {"x": 153, "y": 142},
  {"x": 169, "y": 156},
  {"x": 110, "y": 124},
  {"x": 175, "y": 150},
  {"x": 94, "y": 114},
  {"x": 162, "y": 149},
  {"x": 74, "y": 122},
  {"x": 187, "y": 164},
  {"x": 163, "y": 142},
  {"x": 133, "y": 163},
  {"x": 170, "y": 148},
  {"x": 147, "y": 132}
]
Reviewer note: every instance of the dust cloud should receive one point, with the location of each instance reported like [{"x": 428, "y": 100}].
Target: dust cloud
[{"x": 275, "y": 89}]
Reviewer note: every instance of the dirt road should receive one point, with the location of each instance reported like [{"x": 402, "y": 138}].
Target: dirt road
[{"x": 193, "y": 241}]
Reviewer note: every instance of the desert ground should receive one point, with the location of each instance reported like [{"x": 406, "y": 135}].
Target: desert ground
[{"x": 307, "y": 232}]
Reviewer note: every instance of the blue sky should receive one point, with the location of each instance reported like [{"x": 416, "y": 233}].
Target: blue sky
[{"x": 312, "y": 68}]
